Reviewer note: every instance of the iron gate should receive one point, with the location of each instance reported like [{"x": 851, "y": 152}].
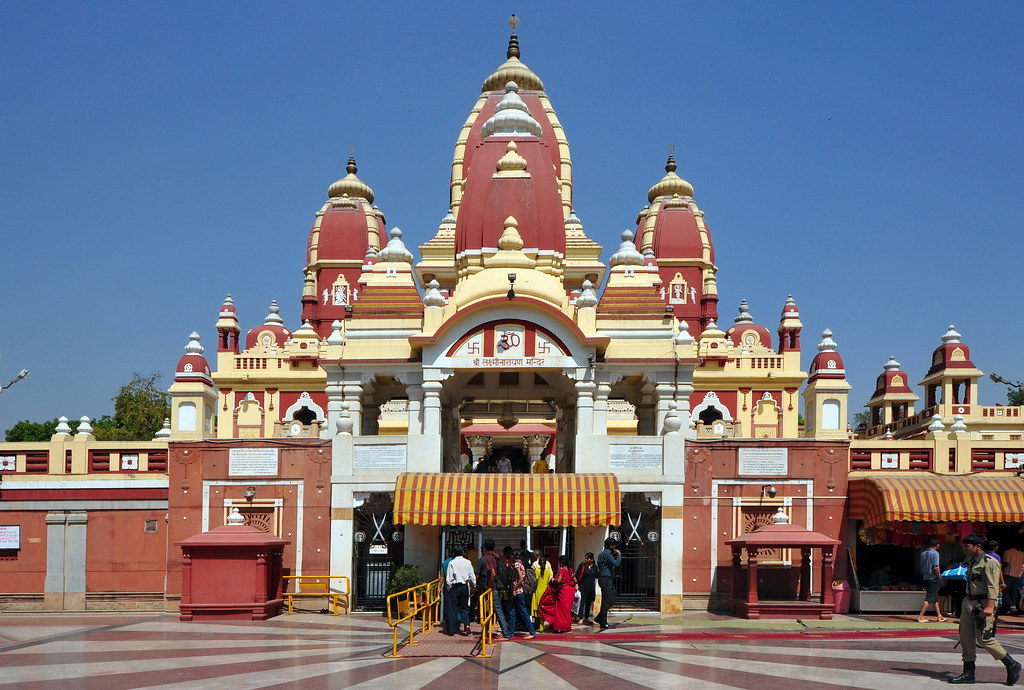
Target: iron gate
[
  {"x": 639, "y": 535},
  {"x": 378, "y": 551}
]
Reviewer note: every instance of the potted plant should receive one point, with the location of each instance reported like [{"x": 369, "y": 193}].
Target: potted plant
[{"x": 405, "y": 577}]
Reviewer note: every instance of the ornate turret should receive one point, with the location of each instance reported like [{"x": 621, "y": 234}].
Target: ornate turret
[
  {"x": 893, "y": 400},
  {"x": 193, "y": 396},
  {"x": 346, "y": 230},
  {"x": 827, "y": 392},
  {"x": 672, "y": 232},
  {"x": 951, "y": 383}
]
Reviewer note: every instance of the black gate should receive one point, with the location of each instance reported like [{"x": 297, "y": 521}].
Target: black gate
[
  {"x": 377, "y": 550},
  {"x": 639, "y": 536}
]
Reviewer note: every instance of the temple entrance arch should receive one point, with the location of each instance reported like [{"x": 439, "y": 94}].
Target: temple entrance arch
[{"x": 511, "y": 381}]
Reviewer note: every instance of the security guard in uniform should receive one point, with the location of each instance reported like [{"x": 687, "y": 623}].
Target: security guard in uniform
[{"x": 977, "y": 613}]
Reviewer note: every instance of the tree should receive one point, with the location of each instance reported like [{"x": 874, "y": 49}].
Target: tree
[
  {"x": 1015, "y": 396},
  {"x": 139, "y": 412},
  {"x": 26, "y": 431}
]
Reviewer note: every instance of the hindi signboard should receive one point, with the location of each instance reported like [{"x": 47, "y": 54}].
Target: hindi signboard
[
  {"x": 634, "y": 456},
  {"x": 252, "y": 462},
  {"x": 10, "y": 536},
  {"x": 764, "y": 461},
  {"x": 379, "y": 456}
]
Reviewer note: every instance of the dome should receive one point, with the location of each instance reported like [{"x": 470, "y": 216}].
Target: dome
[
  {"x": 744, "y": 333},
  {"x": 892, "y": 379},
  {"x": 350, "y": 185},
  {"x": 677, "y": 234},
  {"x": 828, "y": 363},
  {"x": 193, "y": 365},
  {"x": 272, "y": 333},
  {"x": 512, "y": 70},
  {"x": 952, "y": 354},
  {"x": 670, "y": 184}
]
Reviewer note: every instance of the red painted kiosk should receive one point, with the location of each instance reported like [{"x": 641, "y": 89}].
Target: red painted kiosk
[
  {"x": 232, "y": 572},
  {"x": 781, "y": 535}
]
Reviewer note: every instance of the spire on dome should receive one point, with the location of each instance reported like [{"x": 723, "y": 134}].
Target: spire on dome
[
  {"x": 627, "y": 254},
  {"x": 193, "y": 347},
  {"x": 744, "y": 313},
  {"x": 511, "y": 117},
  {"x": 350, "y": 185},
  {"x": 228, "y": 307},
  {"x": 892, "y": 364},
  {"x": 513, "y": 40},
  {"x": 273, "y": 315},
  {"x": 671, "y": 183},
  {"x": 827, "y": 344},
  {"x": 513, "y": 69},
  {"x": 951, "y": 335},
  {"x": 396, "y": 251}
]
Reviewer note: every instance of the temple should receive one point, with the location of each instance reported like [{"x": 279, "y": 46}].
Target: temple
[{"x": 509, "y": 383}]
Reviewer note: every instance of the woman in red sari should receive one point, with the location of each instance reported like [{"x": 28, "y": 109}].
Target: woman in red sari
[{"x": 556, "y": 605}]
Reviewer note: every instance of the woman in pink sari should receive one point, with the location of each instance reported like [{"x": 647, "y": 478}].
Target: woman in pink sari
[{"x": 556, "y": 605}]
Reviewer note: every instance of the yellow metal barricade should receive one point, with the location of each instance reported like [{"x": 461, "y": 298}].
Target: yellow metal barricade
[
  {"x": 422, "y": 600},
  {"x": 486, "y": 622}
]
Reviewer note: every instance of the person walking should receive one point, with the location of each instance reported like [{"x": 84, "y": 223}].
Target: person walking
[
  {"x": 487, "y": 568},
  {"x": 586, "y": 576},
  {"x": 460, "y": 579},
  {"x": 977, "y": 614},
  {"x": 608, "y": 562},
  {"x": 931, "y": 578},
  {"x": 518, "y": 608},
  {"x": 544, "y": 573},
  {"x": 555, "y": 608}
]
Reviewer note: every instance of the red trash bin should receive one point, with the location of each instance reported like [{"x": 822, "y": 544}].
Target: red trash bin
[{"x": 841, "y": 596}]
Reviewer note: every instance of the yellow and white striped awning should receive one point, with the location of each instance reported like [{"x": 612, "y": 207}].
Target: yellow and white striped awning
[
  {"x": 877, "y": 499},
  {"x": 507, "y": 500}
]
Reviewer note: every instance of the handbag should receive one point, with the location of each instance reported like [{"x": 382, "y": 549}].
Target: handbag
[
  {"x": 577, "y": 599},
  {"x": 957, "y": 571}
]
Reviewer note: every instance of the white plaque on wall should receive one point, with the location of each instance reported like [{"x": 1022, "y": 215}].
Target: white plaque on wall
[
  {"x": 764, "y": 461},
  {"x": 381, "y": 455},
  {"x": 10, "y": 536},
  {"x": 634, "y": 456},
  {"x": 252, "y": 462}
]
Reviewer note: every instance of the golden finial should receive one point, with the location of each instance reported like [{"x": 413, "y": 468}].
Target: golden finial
[{"x": 351, "y": 167}]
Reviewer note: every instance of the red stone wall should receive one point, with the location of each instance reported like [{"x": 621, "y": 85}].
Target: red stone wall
[
  {"x": 306, "y": 460},
  {"x": 824, "y": 462}
]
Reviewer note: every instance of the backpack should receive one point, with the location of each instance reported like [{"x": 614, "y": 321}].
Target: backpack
[
  {"x": 530, "y": 582},
  {"x": 504, "y": 578}
]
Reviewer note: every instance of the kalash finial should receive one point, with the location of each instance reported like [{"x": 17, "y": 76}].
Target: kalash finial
[
  {"x": 351, "y": 167},
  {"x": 513, "y": 40},
  {"x": 670, "y": 165}
]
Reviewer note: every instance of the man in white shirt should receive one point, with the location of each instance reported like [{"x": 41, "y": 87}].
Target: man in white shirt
[{"x": 460, "y": 579}]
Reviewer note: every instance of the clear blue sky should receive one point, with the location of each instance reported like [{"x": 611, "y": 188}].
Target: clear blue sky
[{"x": 155, "y": 156}]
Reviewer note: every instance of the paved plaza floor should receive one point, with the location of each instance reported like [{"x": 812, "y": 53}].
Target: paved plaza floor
[{"x": 110, "y": 651}]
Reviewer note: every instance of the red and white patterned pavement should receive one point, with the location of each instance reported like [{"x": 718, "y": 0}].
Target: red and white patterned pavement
[{"x": 107, "y": 652}]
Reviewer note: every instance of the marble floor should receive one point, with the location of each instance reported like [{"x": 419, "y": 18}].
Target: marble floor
[{"x": 108, "y": 652}]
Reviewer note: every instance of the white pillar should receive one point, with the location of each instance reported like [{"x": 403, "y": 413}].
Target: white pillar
[
  {"x": 664, "y": 394},
  {"x": 601, "y": 394},
  {"x": 585, "y": 407},
  {"x": 415, "y": 393},
  {"x": 432, "y": 407},
  {"x": 353, "y": 395}
]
